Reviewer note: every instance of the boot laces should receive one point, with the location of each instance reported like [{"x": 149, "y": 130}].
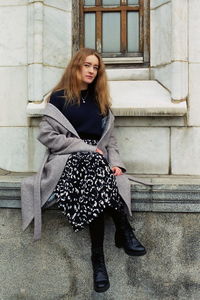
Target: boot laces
[{"x": 99, "y": 265}]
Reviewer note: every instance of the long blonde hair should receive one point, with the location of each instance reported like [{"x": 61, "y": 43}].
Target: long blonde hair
[{"x": 70, "y": 81}]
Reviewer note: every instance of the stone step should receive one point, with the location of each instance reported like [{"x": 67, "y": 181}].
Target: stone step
[{"x": 167, "y": 193}]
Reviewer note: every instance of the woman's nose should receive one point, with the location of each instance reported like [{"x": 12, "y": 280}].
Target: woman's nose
[{"x": 91, "y": 69}]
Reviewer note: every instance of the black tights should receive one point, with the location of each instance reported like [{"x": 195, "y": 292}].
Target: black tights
[{"x": 96, "y": 228}]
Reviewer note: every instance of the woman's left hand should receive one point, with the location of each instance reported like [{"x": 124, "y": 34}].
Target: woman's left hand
[{"x": 117, "y": 171}]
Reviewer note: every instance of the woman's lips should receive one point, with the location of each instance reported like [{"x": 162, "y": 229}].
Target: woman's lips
[{"x": 89, "y": 77}]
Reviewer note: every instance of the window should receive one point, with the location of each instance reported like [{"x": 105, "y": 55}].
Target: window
[{"x": 118, "y": 29}]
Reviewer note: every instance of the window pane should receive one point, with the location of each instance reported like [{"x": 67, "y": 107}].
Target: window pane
[
  {"x": 111, "y": 32},
  {"x": 90, "y": 30},
  {"x": 111, "y": 2},
  {"x": 89, "y": 2},
  {"x": 133, "y": 31},
  {"x": 133, "y": 2}
]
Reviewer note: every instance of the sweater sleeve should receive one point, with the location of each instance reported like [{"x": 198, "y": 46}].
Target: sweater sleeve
[{"x": 59, "y": 143}]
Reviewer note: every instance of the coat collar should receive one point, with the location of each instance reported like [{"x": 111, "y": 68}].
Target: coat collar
[{"x": 54, "y": 113}]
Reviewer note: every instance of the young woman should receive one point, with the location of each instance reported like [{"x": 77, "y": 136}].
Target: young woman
[{"x": 82, "y": 166}]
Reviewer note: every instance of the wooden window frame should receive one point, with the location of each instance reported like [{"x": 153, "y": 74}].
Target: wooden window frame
[{"x": 141, "y": 57}]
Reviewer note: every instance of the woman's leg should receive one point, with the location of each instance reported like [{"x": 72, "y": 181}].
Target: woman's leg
[
  {"x": 124, "y": 235},
  {"x": 96, "y": 229},
  {"x": 100, "y": 275}
]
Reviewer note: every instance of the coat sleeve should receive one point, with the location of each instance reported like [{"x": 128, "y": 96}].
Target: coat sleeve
[
  {"x": 59, "y": 143},
  {"x": 113, "y": 152}
]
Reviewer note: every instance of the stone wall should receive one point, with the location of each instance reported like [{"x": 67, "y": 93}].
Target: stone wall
[
  {"x": 36, "y": 46},
  {"x": 58, "y": 266},
  {"x": 169, "y": 46}
]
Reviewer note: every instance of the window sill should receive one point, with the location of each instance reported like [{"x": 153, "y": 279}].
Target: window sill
[
  {"x": 123, "y": 60},
  {"x": 133, "y": 98},
  {"x": 143, "y": 98}
]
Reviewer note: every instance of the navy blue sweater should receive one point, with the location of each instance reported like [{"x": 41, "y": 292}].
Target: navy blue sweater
[{"x": 85, "y": 118}]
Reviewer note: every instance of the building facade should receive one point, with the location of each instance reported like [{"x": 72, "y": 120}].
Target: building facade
[
  {"x": 156, "y": 105},
  {"x": 154, "y": 83}
]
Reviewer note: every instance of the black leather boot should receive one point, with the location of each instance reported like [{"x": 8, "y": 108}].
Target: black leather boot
[
  {"x": 125, "y": 238},
  {"x": 124, "y": 235},
  {"x": 100, "y": 275}
]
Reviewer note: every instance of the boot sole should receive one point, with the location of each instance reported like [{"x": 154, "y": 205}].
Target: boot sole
[
  {"x": 135, "y": 253},
  {"x": 103, "y": 289},
  {"x": 132, "y": 253}
]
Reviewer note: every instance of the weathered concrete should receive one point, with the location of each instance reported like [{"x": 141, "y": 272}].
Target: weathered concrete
[{"x": 58, "y": 266}]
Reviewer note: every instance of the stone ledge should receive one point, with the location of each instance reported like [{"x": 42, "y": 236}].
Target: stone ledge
[
  {"x": 168, "y": 193},
  {"x": 166, "y": 198},
  {"x": 143, "y": 98},
  {"x": 133, "y": 98}
]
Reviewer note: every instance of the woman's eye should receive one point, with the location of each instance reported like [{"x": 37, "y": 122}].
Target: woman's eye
[{"x": 88, "y": 66}]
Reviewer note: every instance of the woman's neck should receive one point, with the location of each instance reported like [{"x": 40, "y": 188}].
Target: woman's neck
[{"x": 84, "y": 86}]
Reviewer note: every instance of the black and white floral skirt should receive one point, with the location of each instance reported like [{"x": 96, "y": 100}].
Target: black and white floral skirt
[{"x": 87, "y": 186}]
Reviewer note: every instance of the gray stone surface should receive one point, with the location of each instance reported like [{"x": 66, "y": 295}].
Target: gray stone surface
[
  {"x": 166, "y": 198},
  {"x": 167, "y": 193},
  {"x": 185, "y": 162},
  {"x": 149, "y": 121},
  {"x": 139, "y": 149},
  {"x": 58, "y": 266}
]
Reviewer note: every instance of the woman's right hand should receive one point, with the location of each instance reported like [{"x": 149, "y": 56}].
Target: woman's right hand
[{"x": 99, "y": 151}]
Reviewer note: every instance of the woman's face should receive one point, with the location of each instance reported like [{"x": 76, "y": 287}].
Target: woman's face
[{"x": 89, "y": 70}]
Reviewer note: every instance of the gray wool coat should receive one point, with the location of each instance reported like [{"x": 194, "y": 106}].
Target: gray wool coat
[{"x": 61, "y": 139}]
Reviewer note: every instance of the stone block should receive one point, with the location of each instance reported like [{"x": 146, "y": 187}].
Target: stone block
[
  {"x": 51, "y": 77},
  {"x": 144, "y": 150},
  {"x": 128, "y": 74},
  {"x": 162, "y": 74},
  {"x": 35, "y": 82},
  {"x": 20, "y": 151},
  {"x": 13, "y": 88},
  {"x": 13, "y": 50},
  {"x": 161, "y": 35},
  {"x": 179, "y": 80},
  {"x": 174, "y": 77},
  {"x": 57, "y": 41},
  {"x": 10, "y": 195},
  {"x": 61, "y": 4},
  {"x": 149, "y": 121},
  {"x": 157, "y": 3},
  {"x": 194, "y": 95},
  {"x": 194, "y": 24},
  {"x": 185, "y": 151},
  {"x": 35, "y": 33},
  {"x": 179, "y": 30},
  {"x": 12, "y": 2}
]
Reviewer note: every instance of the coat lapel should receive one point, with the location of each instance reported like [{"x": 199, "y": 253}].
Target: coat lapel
[{"x": 53, "y": 112}]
